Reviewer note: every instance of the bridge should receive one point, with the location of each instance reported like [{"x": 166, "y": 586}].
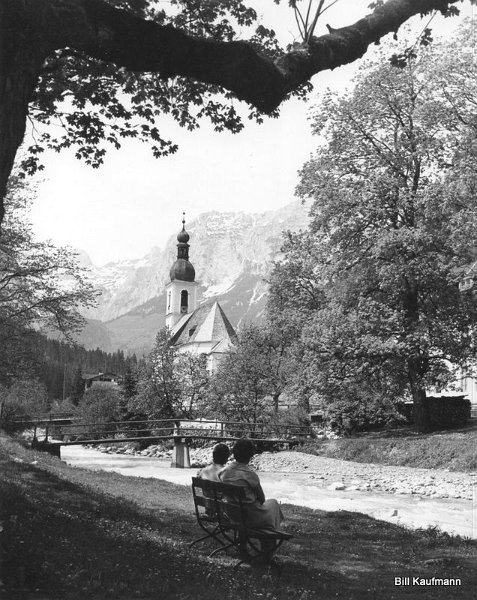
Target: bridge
[{"x": 66, "y": 431}]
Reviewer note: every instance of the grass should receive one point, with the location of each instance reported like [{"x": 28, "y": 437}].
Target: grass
[
  {"x": 73, "y": 534},
  {"x": 452, "y": 450}
]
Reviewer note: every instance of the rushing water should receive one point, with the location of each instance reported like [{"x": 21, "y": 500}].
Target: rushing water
[{"x": 452, "y": 515}]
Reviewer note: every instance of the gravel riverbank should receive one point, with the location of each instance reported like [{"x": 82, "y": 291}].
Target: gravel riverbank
[
  {"x": 343, "y": 475},
  {"x": 353, "y": 476}
]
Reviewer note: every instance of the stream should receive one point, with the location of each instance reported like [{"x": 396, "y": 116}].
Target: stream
[{"x": 455, "y": 516}]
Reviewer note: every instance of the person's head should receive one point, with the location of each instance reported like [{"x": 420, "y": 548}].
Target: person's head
[
  {"x": 243, "y": 450},
  {"x": 220, "y": 454}
]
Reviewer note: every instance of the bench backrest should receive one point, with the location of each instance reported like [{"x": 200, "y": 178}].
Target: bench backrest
[{"x": 219, "y": 502}]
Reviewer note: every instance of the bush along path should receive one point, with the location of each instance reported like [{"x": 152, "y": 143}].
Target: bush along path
[{"x": 70, "y": 533}]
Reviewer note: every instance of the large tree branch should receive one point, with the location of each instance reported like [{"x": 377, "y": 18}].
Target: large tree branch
[
  {"x": 106, "y": 33},
  {"x": 31, "y": 30}
]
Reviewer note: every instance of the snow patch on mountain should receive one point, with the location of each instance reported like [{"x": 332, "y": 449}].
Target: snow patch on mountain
[
  {"x": 258, "y": 293},
  {"x": 219, "y": 288}
]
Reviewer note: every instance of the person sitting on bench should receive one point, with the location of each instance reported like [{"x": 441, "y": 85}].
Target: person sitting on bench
[
  {"x": 220, "y": 456},
  {"x": 260, "y": 513}
]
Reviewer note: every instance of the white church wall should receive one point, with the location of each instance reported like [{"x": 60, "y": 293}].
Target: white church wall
[{"x": 173, "y": 300}]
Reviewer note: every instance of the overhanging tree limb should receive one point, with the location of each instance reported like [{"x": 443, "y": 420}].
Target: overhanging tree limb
[
  {"x": 110, "y": 34},
  {"x": 31, "y": 30}
]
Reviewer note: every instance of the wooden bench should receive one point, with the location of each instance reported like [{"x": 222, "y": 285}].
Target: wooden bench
[{"x": 220, "y": 512}]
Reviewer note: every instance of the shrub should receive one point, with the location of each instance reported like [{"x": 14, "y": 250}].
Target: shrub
[
  {"x": 22, "y": 400},
  {"x": 348, "y": 413},
  {"x": 448, "y": 411},
  {"x": 98, "y": 407}
]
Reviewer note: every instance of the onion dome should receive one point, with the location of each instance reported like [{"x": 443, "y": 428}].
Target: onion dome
[
  {"x": 183, "y": 236},
  {"x": 182, "y": 269}
]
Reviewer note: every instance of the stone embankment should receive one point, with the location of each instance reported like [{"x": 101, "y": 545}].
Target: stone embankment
[{"x": 335, "y": 474}]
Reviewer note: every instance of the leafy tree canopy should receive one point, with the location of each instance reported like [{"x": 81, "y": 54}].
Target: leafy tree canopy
[
  {"x": 100, "y": 405},
  {"x": 393, "y": 220},
  {"x": 170, "y": 384},
  {"x": 24, "y": 398},
  {"x": 41, "y": 289},
  {"x": 250, "y": 380}
]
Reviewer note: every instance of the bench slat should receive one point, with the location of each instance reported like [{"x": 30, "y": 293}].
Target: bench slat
[{"x": 233, "y": 491}]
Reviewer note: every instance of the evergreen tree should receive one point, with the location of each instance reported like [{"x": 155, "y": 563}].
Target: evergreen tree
[
  {"x": 130, "y": 379},
  {"x": 77, "y": 386}
]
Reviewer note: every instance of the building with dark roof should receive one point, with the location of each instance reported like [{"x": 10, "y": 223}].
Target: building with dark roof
[
  {"x": 203, "y": 329},
  {"x": 100, "y": 380}
]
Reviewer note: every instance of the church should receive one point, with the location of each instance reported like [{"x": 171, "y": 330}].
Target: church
[{"x": 198, "y": 329}]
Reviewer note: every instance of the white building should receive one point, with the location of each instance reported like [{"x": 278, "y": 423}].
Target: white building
[
  {"x": 467, "y": 383},
  {"x": 467, "y": 378},
  {"x": 203, "y": 329}
]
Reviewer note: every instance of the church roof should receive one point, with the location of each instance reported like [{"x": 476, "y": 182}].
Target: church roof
[{"x": 206, "y": 324}]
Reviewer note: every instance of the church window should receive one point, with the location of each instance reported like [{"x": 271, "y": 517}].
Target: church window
[
  {"x": 192, "y": 330},
  {"x": 168, "y": 301},
  {"x": 184, "y": 301}
]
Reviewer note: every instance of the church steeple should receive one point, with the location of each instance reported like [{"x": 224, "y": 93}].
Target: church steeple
[
  {"x": 181, "y": 291},
  {"x": 182, "y": 269}
]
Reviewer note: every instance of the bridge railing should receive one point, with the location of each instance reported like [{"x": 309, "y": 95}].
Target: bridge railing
[
  {"x": 240, "y": 429},
  {"x": 168, "y": 429},
  {"x": 114, "y": 430}
]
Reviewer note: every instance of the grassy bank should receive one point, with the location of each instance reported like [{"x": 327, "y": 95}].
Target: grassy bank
[
  {"x": 455, "y": 451},
  {"x": 70, "y": 533}
]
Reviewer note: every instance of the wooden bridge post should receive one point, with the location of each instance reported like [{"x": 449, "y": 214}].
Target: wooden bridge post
[{"x": 180, "y": 455}]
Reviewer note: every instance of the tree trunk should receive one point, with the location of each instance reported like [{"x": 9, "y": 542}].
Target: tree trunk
[
  {"x": 417, "y": 362},
  {"x": 420, "y": 411},
  {"x": 276, "y": 398},
  {"x": 21, "y": 61}
]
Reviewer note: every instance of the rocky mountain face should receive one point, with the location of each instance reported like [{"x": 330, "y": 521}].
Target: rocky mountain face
[{"x": 232, "y": 254}]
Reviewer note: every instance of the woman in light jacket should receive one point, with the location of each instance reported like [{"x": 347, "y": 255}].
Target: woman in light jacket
[
  {"x": 260, "y": 513},
  {"x": 220, "y": 456}
]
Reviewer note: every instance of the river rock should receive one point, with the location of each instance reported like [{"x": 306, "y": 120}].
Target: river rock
[{"x": 337, "y": 485}]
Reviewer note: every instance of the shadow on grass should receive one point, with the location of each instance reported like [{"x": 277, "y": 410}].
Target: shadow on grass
[{"x": 64, "y": 537}]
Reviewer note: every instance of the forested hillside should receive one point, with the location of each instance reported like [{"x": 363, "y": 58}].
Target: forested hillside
[{"x": 59, "y": 365}]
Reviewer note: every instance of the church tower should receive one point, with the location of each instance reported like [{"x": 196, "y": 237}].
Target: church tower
[{"x": 181, "y": 291}]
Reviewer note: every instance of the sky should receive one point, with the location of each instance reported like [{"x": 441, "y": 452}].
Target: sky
[{"x": 135, "y": 202}]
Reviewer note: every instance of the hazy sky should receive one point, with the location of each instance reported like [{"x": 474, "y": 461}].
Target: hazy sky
[{"x": 134, "y": 202}]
